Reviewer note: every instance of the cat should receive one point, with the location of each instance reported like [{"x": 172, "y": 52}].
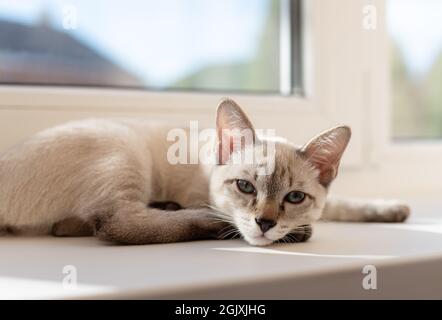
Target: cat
[{"x": 111, "y": 178}]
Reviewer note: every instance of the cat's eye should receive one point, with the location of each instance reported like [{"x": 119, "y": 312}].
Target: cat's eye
[
  {"x": 295, "y": 197},
  {"x": 245, "y": 186}
]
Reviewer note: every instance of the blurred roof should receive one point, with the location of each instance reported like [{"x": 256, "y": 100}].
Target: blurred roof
[{"x": 41, "y": 54}]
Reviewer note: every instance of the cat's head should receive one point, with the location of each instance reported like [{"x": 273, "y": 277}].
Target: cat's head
[{"x": 268, "y": 207}]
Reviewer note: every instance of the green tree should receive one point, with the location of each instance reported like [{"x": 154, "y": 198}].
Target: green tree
[
  {"x": 417, "y": 100},
  {"x": 433, "y": 97}
]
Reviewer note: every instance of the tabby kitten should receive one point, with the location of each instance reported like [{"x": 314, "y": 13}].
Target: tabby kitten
[{"x": 112, "y": 179}]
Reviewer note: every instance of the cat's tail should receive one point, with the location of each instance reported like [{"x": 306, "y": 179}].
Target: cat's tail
[{"x": 353, "y": 210}]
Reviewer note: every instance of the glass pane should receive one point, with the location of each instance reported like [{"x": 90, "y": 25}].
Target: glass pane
[
  {"x": 167, "y": 44},
  {"x": 416, "y": 40}
]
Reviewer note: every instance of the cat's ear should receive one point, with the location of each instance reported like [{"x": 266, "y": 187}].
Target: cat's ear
[
  {"x": 234, "y": 129},
  {"x": 324, "y": 152}
]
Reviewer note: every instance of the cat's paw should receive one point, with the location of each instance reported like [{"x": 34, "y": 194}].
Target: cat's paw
[
  {"x": 300, "y": 234},
  {"x": 3, "y": 231},
  {"x": 72, "y": 227},
  {"x": 388, "y": 211}
]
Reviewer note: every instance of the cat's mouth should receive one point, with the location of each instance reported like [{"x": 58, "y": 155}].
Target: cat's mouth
[
  {"x": 253, "y": 236},
  {"x": 260, "y": 240}
]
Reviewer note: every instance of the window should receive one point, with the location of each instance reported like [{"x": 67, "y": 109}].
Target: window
[
  {"x": 209, "y": 45},
  {"x": 415, "y": 28}
]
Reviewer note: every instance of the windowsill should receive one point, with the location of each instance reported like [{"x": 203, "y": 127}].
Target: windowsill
[
  {"x": 126, "y": 100},
  {"x": 328, "y": 266}
]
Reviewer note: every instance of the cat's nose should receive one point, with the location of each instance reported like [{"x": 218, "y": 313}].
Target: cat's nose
[{"x": 265, "y": 224}]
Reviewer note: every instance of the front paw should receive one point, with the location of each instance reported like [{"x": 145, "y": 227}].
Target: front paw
[
  {"x": 300, "y": 234},
  {"x": 72, "y": 227}
]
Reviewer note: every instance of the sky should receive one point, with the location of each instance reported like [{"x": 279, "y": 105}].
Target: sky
[
  {"x": 160, "y": 41},
  {"x": 416, "y": 27}
]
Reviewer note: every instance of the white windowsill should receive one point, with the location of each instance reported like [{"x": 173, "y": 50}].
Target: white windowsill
[{"x": 328, "y": 266}]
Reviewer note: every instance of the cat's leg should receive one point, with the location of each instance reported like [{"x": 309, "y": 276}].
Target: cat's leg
[
  {"x": 3, "y": 227},
  {"x": 8, "y": 230},
  {"x": 72, "y": 227},
  {"x": 365, "y": 210},
  {"x": 131, "y": 222}
]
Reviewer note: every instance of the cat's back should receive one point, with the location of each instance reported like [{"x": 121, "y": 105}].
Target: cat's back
[
  {"x": 74, "y": 164},
  {"x": 53, "y": 167},
  {"x": 86, "y": 138}
]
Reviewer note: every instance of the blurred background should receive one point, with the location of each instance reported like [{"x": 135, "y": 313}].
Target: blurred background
[{"x": 204, "y": 45}]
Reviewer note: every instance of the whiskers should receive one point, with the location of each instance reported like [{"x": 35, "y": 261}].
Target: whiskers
[
  {"x": 218, "y": 215},
  {"x": 228, "y": 232},
  {"x": 231, "y": 233},
  {"x": 297, "y": 234}
]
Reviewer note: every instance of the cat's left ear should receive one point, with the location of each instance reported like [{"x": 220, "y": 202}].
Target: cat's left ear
[
  {"x": 324, "y": 152},
  {"x": 234, "y": 129}
]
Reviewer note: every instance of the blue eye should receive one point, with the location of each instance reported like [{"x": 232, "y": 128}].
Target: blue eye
[
  {"x": 295, "y": 197},
  {"x": 245, "y": 186}
]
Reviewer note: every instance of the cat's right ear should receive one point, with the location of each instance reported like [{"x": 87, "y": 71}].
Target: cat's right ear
[
  {"x": 324, "y": 152},
  {"x": 234, "y": 129}
]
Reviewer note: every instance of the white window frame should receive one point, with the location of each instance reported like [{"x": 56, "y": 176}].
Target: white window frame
[{"x": 345, "y": 81}]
